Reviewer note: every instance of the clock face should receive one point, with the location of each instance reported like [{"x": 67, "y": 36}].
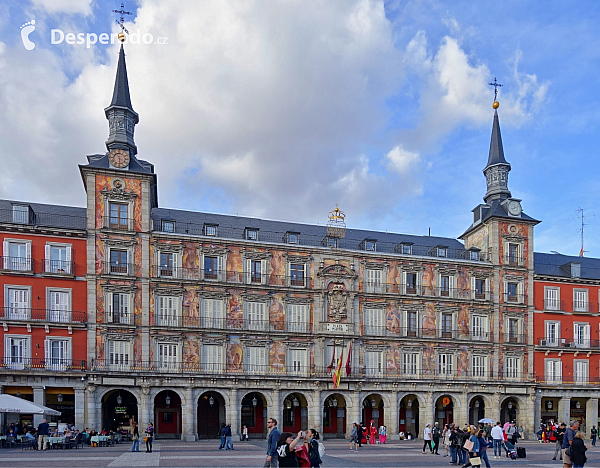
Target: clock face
[
  {"x": 118, "y": 158},
  {"x": 514, "y": 208}
]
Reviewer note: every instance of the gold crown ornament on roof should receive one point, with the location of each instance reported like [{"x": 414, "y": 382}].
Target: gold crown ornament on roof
[{"x": 336, "y": 226}]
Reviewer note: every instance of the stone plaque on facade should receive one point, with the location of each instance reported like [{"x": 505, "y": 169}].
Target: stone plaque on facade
[
  {"x": 337, "y": 327},
  {"x": 118, "y": 381}
]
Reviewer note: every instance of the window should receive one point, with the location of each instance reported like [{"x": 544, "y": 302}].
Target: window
[
  {"x": 511, "y": 292},
  {"x": 474, "y": 255},
  {"x": 552, "y": 334},
  {"x": 581, "y": 371},
  {"x": 251, "y": 234},
  {"x": 120, "y": 355},
  {"x": 58, "y": 259},
  {"x": 168, "y": 359},
  {"x": 291, "y": 237},
  {"x": 210, "y": 230},
  {"x": 297, "y": 277},
  {"x": 211, "y": 268},
  {"x": 212, "y": 314},
  {"x": 446, "y": 328},
  {"x": 297, "y": 363},
  {"x": 255, "y": 316},
  {"x": 513, "y": 254},
  {"x": 17, "y": 351},
  {"x": 58, "y": 354},
  {"x": 374, "y": 363},
  {"x": 20, "y": 214},
  {"x": 512, "y": 367},
  {"x": 479, "y": 326},
  {"x": 512, "y": 330},
  {"x": 256, "y": 271},
  {"x": 168, "y": 226},
  {"x": 374, "y": 281},
  {"x": 411, "y": 323},
  {"x": 59, "y": 305},
  {"x": 442, "y": 252},
  {"x": 370, "y": 245},
  {"x": 406, "y": 249},
  {"x": 582, "y": 335},
  {"x": 445, "y": 286},
  {"x": 17, "y": 302},
  {"x": 580, "y": 300},
  {"x": 445, "y": 364},
  {"x": 118, "y": 262},
  {"x": 17, "y": 255},
  {"x": 167, "y": 311},
  {"x": 118, "y": 218},
  {"x": 212, "y": 358},
  {"x": 478, "y": 366},
  {"x": 255, "y": 359},
  {"x": 480, "y": 288},
  {"x": 118, "y": 308},
  {"x": 553, "y": 370},
  {"x": 297, "y": 318},
  {"x": 331, "y": 242},
  {"x": 551, "y": 298},
  {"x": 411, "y": 283},
  {"x": 166, "y": 264},
  {"x": 374, "y": 322},
  {"x": 410, "y": 364}
]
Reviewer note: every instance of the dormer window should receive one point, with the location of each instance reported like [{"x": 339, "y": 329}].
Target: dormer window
[
  {"x": 404, "y": 248},
  {"x": 251, "y": 234},
  {"x": 331, "y": 242},
  {"x": 292, "y": 237},
  {"x": 575, "y": 270},
  {"x": 442, "y": 252},
  {"x": 210, "y": 230},
  {"x": 168, "y": 225},
  {"x": 20, "y": 214},
  {"x": 473, "y": 254},
  {"x": 370, "y": 245}
]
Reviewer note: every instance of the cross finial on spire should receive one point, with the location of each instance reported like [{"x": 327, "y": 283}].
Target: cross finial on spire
[
  {"x": 496, "y": 85},
  {"x": 121, "y": 19}
]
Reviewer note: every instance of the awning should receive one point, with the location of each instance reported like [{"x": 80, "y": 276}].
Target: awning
[{"x": 13, "y": 404}]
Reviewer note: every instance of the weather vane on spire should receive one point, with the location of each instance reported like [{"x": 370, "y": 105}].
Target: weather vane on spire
[
  {"x": 496, "y": 85},
  {"x": 121, "y": 20}
]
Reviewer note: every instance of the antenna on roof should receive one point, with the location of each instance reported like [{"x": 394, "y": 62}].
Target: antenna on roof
[
  {"x": 429, "y": 232},
  {"x": 581, "y": 216},
  {"x": 555, "y": 252}
]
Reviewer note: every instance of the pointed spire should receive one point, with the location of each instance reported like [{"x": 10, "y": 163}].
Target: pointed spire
[
  {"x": 120, "y": 114},
  {"x": 497, "y": 168},
  {"x": 121, "y": 92}
]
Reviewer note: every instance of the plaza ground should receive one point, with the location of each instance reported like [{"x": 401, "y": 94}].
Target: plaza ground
[{"x": 176, "y": 454}]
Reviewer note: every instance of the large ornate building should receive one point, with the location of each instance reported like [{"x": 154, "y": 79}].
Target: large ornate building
[{"x": 197, "y": 319}]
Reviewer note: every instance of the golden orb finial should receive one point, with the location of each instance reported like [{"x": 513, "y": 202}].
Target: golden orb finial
[
  {"x": 121, "y": 37},
  {"x": 496, "y": 105}
]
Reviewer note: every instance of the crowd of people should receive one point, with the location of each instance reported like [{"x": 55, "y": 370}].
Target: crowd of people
[{"x": 361, "y": 434}]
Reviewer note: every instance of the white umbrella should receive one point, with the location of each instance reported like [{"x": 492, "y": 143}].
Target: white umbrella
[
  {"x": 487, "y": 421},
  {"x": 12, "y": 404}
]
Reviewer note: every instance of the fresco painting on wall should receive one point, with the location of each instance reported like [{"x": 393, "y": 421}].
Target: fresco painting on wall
[
  {"x": 393, "y": 363},
  {"x": 463, "y": 283},
  {"x": 234, "y": 266},
  {"x": 99, "y": 255},
  {"x": 277, "y": 269},
  {"x": 191, "y": 304},
  {"x": 463, "y": 320},
  {"x": 276, "y": 314},
  {"x": 189, "y": 259},
  {"x": 191, "y": 354},
  {"x": 428, "y": 327},
  {"x": 428, "y": 280},
  {"x": 393, "y": 278},
  {"x": 234, "y": 355},
  {"x": 393, "y": 318},
  {"x": 235, "y": 314},
  {"x": 462, "y": 369},
  {"x": 428, "y": 359},
  {"x": 277, "y": 356}
]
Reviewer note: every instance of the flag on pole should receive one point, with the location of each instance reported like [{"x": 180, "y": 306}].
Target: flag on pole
[
  {"x": 581, "y": 252},
  {"x": 348, "y": 366},
  {"x": 330, "y": 366},
  {"x": 337, "y": 374}
]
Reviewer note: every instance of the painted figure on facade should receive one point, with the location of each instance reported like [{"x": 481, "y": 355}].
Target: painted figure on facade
[
  {"x": 234, "y": 355},
  {"x": 276, "y": 315},
  {"x": 277, "y": 269},
  {"x": 191, "y": 354},
  {"x": 277, "y": 356},
  {"x": 393, "y": 318},
  {"x": 393, "y": 361},
  {"x": 235, "y": 315},
  {"x": 234, "y": 266},
  {"x": 429, "y": 328},
  {"x": 428, "y": 281},
  {"x": 463, "y": 283},
  {"x": 463, "y": 319}
]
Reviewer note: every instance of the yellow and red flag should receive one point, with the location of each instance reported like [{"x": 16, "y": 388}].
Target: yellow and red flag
[{"x": 337, "y": 374}]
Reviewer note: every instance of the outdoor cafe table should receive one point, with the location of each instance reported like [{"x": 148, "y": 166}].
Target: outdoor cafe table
[
  {"x": 55, "y": 441},
  {"x": 100, "y": 440}
]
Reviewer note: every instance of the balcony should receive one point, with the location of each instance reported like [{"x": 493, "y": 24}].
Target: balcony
[
  {"x": 118, "y": 268},
  {"x": 570, "y": 380},
  {"x": 515, "y": 338},
  {"x": 514, "y": 260},
  {"x": 582, "y": 343},
  {"x": 176, "y": 273},
  {"x": 582, "y": 307},
  {"x": 58, "y": 268},
  {"x": 415, "y": 332},
  {"x": 115, "y": 223},
  {"x": 511, "y": 298},
  {"x": 120, "y": 318},
  {"x": 554, "y": 305},
  {"x": 40, "y": 364},
  {"x": 26, "y": 314},
  {"x": 21, "y": 265}
]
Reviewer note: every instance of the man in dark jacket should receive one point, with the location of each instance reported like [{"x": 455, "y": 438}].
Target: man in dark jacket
[
  {"x": 359, "y": 432},
  {"x": 43, "y": 431},
  {"x": 228, "y": 439},
  {"x": 271, "y": 461},
  {"x": 435, "y": 434},
  {"x": 559, "y": 433}
]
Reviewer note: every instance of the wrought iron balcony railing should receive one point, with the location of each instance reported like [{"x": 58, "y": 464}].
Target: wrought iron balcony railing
[
  {"x": 19, "y": 363},
  {"x": 17, "y": 264},
  {"x": 58, "y": 267},
  {"x": 553, "y": 342},
  {"x": 117, "y": 223},
  {"x": 118, "y": 269},
  {"x": 27, "y": 314}
]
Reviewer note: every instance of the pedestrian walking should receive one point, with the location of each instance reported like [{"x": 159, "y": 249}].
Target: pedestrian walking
[
  {"x": 578, "y": 450},
  {"x": 149, "y": 437},
  {"x": 354, "y": 437},
  {"x": 497, "y": 439},
  {"x": 472, "y": 449},
  {"x": 313, "y": 448},
  {"x": 271, "y": 461},
  {"x": 427, "y": 438},
  {"x": 228, "y": 439},
  {"x": 559, "y": 434},
  {"x": 568, "y": 441},
  {"x": 135, "y": 437},
  {"x": 483, "y": 446},
  {"x": 222, "y": 435},
  {"x": 435, "y": 435},
  {"x": 446, "y": 439},
  {"x": 245, "y": 433},
  {"x": 359, "y": 433},
  {"x": 594, "y": 433},
  {"x": 42, "y": 432},
  {"x": 286, "y": 449}
]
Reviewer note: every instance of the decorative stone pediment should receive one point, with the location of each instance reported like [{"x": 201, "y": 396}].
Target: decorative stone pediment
[
  {"x": 118, "y": 194},
  {"x": 118, "y": 336},
  {"x": 119, "y": 288},
  {"x": 516, "y": 278},
  {"x": 212, "y": 250},
  {"x": 297, "y": 258},
  {"x": 168, "y": 291},
  {"x": 252, "y": 254},
  {"x": 297, "y": 300},
  {"x": 514, "y": 238},
  {"x": 256, "y": 297},
  {"x": 441, "y": 309},
  {"x": 412, "y": 267},
  {"x": 375, "y": 347},
  {"x": 211, "y": 294},
  {"x": 446, "y": 270},
  {"x": 164, "y": 247},
  {"x": 298, "y": 344},
  {"x": 208, "y": 340},
  {"x": 375, "y": 265},
  {"x": 167, "y": 337},
  {"x": 482, "y": 274},
  {"x": 374, "y": 305},
  {"x": 255, "y": 342},
  {"x": 123, "y": 243},
  {"x": 337, "y": 272}
]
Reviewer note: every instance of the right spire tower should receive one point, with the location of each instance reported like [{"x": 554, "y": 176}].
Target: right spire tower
[{"x": 497, "y": 168}]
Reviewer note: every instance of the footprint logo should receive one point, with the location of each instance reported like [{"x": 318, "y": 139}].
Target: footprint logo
[{"x": 26, "y": 30}]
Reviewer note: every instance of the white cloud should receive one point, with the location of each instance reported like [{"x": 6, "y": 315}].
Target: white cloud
[
  {"x": 401, "y": 160},
  {"x": 70, "y": 7}
]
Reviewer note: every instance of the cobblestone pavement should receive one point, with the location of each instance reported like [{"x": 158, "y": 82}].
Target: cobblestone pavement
[{"x": 177, "y": 454}]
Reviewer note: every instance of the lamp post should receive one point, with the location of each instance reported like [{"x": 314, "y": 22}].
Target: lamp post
[
  {"x": 334, "y": 402},
  {"x": 211, "y": 401},
  {"x": 373, "y": 403},
  {"x": 254, "y": 402},
  {"x": 168, "y": 400},
  {"x": 119, "y": 399},
  {"x": 295, "y": 402},
  {"x": 59, "y": 397}
]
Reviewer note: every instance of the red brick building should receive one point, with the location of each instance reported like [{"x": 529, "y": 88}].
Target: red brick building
[
  {"x": 567, "y": 332},
  {"x": 43, "y": 336}
]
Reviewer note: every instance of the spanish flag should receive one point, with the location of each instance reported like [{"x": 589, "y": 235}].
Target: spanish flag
[
  {"x": 581, "y": 252},
  {"x": 337, "y": 374}
]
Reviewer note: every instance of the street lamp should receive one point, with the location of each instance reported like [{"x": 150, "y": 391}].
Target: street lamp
[
  {"x": 288, "y": 404},
  {"x": 578, "y": 405},
  {"x": 59, "y": 397},
  {"x": 254, "y": 401},
  {"x": 295, "y": 402},
  {"x": 167, "y": 400},
  {"x": 409, "y": 403},
  {"x": 373, "y": 403},
  {"x": 211, "y": 401},
  {"x": 119, "y": 399},
  {"x": 477, "y": 404},
  {"x": 510, "y": 405}
]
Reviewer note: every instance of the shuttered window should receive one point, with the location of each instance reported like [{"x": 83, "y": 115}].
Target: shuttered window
[
  {"x": 212, "y": 313},
  {"x": 479, "y": 327},
  {"x": 168, "y": 356},
  {"x": 255, "y": 316},
  {"x": 17, "y": 256},
  {"x": 581, "y": 372},
  {"x": 553, "y": 370},
  {"x": 58, "y": 307},
  {"x": 297, "y": 364},
  {"x": 58, "y": 354},
  {"x": 478, "y": 366},
  {"x": 445, "y": 364},
  {"x": 212, "y": 358},
  {"x": 409, "y": 363},
  {"x": 16, "y": 352},
  {"x": 297, "y": 318},
  {"x": 255, "y": 359},
  {"x": 168, "y": 311},
  {"x": 18, "y": 304},
  {"x": 374, "y": 281},
  {"x": 374, "y": 363},
  {"x": 120, "y": 355},
  {"x": 374, "y": 322}
]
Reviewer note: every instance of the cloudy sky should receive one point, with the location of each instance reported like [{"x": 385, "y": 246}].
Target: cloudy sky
[{"x": 282, "y": 109}]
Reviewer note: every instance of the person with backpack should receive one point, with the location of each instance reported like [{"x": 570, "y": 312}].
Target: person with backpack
[{"x": 315, "y": 448}]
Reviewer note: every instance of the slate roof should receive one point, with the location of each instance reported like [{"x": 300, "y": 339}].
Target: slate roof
[
  {"x": 67, "y": 217},
  {"x": 121, "y": 96},
  {"x": 135, "y": 164},
  {"x": 496, "y": 155},
  {"x": 547, "y": 264},
  {"x": 233, "y": 227}
]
